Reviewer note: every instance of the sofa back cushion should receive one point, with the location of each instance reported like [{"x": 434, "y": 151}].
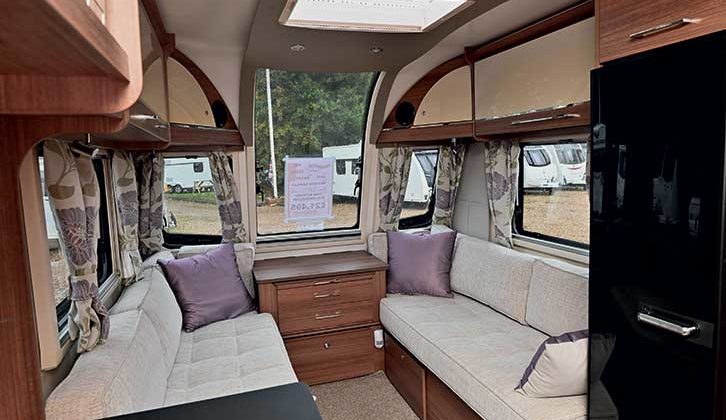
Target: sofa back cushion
[
  {"x": 152, "y": 295},
  {"x": 558, "y": 296},
  {"x": 244, "y": 252},
  {"x": 492, "y": 274},
  {"x": 125, "y": 374}
]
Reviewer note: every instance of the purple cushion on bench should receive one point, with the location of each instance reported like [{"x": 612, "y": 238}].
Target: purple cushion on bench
[
  {"x": 419, "y": 264},
  {"x": 208, "y": 287}
]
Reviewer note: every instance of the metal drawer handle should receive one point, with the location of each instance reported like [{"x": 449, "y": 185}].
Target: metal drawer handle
[
  {"x": 335, "y": 315},
  {"x": 326, "y": 345},
  {"x": 663, "y": 27},
  {"x": 321, "y": 283},
  {"x": 682, "y": 330},
  {"x": 550, "y": 118},
  {"x": 326, "y": 295}
]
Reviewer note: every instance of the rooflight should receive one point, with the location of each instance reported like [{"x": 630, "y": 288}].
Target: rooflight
[{"x": 370, "y": 15}]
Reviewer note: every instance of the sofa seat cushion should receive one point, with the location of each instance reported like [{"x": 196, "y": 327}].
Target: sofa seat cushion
[
  {"x": 479, "y": 353},
  {"x": 229, "y": 357},
  {"x": 126, "y": 374}
]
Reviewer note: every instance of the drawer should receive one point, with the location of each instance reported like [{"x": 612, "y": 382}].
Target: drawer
[
  {"x": 295, "y": 319},
  {"x": 336, "y": 356},
  {"x": 628, "y": 27},
  {"x": 406, "y": 374},
  {"x": 443, "y": 404},
  {"x": 326, "y": 293}
]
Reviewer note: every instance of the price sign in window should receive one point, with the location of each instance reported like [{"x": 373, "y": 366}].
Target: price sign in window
[{"x": 308, "y": 190}]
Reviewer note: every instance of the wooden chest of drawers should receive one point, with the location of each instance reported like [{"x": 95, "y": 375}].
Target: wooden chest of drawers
[{"x": 326, "y": 307}]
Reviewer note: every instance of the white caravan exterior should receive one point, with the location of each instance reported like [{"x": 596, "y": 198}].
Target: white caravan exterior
[
  {"x": 540, "y": 168},
  {"x": 571, "y": 159},
  {"x": 184, "y": 175},
  {"x": 418, "y": 189}
]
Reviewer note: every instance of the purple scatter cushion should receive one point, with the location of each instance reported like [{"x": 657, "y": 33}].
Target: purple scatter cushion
[
  {"x": 419, "y": 264},
  {"x": 208, "y": 287}
]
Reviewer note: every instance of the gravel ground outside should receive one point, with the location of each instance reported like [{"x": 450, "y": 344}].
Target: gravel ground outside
[
  {"x": 59, "y": 273},
  {"x": 564, "y": 214}
]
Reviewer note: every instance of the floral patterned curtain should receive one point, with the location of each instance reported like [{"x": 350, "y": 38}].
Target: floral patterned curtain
[
  {"x": 501, "y": 166},
  {"x": 394, "y": 165},
  {"x": 448, "y": 174},
  {"x": 123, "y": 175},
  {"x": 228, "y": 203},
  {"x": 150, "y": 177},
  {"x": 74, "y": 196}
]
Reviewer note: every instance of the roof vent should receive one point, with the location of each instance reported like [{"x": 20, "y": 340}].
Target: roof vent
[{"x": 407, "y": 16}]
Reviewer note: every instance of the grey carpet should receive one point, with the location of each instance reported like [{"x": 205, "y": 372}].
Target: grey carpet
[{"x": 368, "y": 398}]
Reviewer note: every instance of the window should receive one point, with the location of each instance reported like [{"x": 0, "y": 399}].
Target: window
[
  {"x": 190, "y": 205},
  {"x": 419, "y": 201},
  {"x": 554, "y": 203},
  {"x": 58, "y": 265},
  {"x": 311, "y": 115}
]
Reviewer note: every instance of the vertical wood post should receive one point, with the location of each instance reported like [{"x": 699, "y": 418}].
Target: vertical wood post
[{"x": 20, "y": 387}]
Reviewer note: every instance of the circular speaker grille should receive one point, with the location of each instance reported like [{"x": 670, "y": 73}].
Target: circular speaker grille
[{"x": 405, "y": 113}]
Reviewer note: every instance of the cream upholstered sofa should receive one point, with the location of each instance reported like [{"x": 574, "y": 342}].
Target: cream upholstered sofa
[
  {"x": 480, "y": 342},
  {"x": 149, "y": 362}
]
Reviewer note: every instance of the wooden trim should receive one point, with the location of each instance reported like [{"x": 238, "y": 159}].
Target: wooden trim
[
  {"x": 434, "y": 134},
  {"x": 267, "y": 296},
  {"x": 187, "y": 137},
  {"x": 552, "y": 23},
  {"x": 508, "y": 127},
  {"x": 165, "y": 39}
]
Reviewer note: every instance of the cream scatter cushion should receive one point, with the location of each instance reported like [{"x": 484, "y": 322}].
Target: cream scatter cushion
[{"x": 558, "y": 368}]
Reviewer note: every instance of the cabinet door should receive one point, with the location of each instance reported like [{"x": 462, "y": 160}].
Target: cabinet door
[{"x": 628, "y": 27}]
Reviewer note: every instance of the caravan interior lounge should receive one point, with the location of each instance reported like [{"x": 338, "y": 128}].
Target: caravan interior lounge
[{"x": 363, "y": 209}]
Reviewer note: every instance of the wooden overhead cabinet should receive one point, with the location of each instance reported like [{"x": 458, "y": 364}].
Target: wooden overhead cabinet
[{"x": 628, "y": 27}]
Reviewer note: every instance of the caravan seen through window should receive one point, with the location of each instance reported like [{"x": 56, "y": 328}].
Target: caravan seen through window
[{"x": 190, "y": 206}]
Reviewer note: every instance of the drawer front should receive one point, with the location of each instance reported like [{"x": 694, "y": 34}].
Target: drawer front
[
  {"x": 443, "y": 404},
  {"x": 302, "y": 319},
  {"x": 325, "y": 294},
  {"x": 332, "y": 357},
  {"x": 406, "y": 374},
  {"x": 628, "y": 27}
]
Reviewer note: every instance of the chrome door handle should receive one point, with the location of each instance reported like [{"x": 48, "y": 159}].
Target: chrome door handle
[
  {"x": 335, "y": 315},
  {"x": 542, "y": 119},
  {"x": 663, "y": 27},
  {"x": 682, "y": 330}
]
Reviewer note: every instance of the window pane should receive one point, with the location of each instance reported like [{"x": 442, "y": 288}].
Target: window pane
[
  {"x": 556, "y": 198},
  {"x": 190, "y": 205},
  {"x": 421, "y": 178},
  {"x": 313, "y": 115}
]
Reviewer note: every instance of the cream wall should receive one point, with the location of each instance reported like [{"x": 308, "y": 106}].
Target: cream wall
[
  {"x": 471, "y": 214},
  {"x": 550, "y": 71}
]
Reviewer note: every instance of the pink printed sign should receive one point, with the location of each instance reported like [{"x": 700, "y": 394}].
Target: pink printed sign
[{"x": 308, "y": 189}]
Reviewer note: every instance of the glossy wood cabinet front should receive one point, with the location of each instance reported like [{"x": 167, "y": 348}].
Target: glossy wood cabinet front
[{"x": 628, "y": 27}]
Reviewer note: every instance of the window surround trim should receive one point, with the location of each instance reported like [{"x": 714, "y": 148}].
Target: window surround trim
[{"x": 552, "y": 249}]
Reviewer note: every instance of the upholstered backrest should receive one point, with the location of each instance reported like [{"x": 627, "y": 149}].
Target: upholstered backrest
[
  {"x": 152, "y": 295},
  {"x": 126, "y": 374},
  {"x": 492, "y": 274},
  {"x": 558, "y": 296},
  {"x": 378, "y": 245},
  {"x": 245, "y": 260}
]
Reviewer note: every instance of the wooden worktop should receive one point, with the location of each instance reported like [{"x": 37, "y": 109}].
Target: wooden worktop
[{"x": 297, "y": 268}]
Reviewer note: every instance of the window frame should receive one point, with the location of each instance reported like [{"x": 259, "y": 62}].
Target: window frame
[
  {"x": 424, "y": 220},
  {"x": 518, "y": 219},
  {"x": 337, "y": 232}
]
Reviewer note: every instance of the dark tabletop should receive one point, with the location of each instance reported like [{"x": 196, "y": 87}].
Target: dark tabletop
[
  {"x": 311, "y": 266},
  {"x": 286, "y": 402}
]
